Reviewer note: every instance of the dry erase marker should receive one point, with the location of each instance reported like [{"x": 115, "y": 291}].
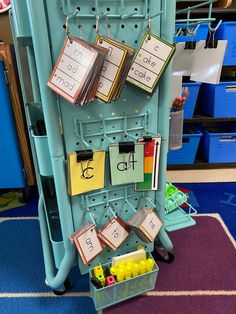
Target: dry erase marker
[
  {"x": 128, "y": 272},
  {"x": 98, "y": 270},
  {"x": 135, "y": 270},
  {"x": 120, "y": 275},
  {"x": 142, "y": 267},
  {"x": 113, "y": 271},
  {"x": 149, "y": 264}
]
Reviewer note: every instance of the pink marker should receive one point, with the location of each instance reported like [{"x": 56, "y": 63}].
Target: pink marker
[
  {"x": 1, "y": 6},
  {"x": 7, "y": 2}
]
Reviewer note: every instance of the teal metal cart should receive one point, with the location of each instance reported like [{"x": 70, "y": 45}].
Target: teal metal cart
[{"x": 39, "y": 31}]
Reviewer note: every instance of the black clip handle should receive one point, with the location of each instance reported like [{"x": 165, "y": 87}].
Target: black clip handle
[
  {"x": 212, "y": 43},
  {"x": 126, "y": 147},
  {"x": 147, "y": 139},
  {"x": 83, "y": 155}
]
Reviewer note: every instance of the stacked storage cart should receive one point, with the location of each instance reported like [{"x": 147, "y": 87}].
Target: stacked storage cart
[{"x": 39, "y": 32}]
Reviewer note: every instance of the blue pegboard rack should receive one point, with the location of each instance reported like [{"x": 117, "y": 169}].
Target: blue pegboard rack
[{"x": 39, "y": 31}]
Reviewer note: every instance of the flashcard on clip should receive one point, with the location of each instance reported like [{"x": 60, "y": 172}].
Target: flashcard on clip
[{"x": 149, "y": 63}]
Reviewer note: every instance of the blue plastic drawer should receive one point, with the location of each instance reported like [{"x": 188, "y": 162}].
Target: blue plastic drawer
[
  {"x": 185, "y": 155},
  {"x": 201, "y": 34},
  {"x": 218, "y": 146},
  {"x": 219, "y": 101},
  {"x": 227, "y": 31},
  {"x": 190, "y": 104}
]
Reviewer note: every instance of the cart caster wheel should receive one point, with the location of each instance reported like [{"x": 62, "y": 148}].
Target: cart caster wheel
[
  {"x": 160, "y": 254},
  {"x": 68, "y": 285},
  {"x": 59, "y": 292},
  {"x": 25, "y": 194}
]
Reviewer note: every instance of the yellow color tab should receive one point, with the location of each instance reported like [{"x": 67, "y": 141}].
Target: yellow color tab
[
  {"x": 148, "y": 164},
  {"x": 93, "y": 171}
]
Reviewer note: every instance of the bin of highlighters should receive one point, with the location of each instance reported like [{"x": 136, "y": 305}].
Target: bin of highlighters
[
  {"x": 176, "y": 129},
  {"x": 109, "y": 295}
]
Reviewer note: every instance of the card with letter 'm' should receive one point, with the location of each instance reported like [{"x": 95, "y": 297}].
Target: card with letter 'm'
[
  {"x": 146, "y": 224},
  {"x": 87, "y": 242},
  {"x": 115, "y": 68},
  {"x": 150, "y": 62},
  {"x": 77, "y": 71},
  {"x": 114, "y": 232}
]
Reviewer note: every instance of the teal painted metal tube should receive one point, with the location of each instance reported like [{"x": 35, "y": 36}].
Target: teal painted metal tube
[
  {"x": 41, "y": 45},
  {"x": 34, "y": 77},
  {"x": 167, "y": 30},
  {"x": 54, "y": 279}
]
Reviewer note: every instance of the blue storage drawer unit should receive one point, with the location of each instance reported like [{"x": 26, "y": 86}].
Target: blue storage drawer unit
[
  {"x": 227, "y": 31},
  {"x": 11, "y": 168},
  {"x": 219, "y": 101},
  {"x": 201, "y": 33},
  {"x": 186, "y": 155},
  {"x": 190, "y": 104},
  {"x": 218, "y": 146}
]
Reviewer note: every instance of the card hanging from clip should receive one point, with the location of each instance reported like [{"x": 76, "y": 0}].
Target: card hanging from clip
[
  {"x": 150, "y": 61},
  {"x": 152, "y": 147},
  {"x": 116, "y": 66},
  {"x": 86, "y": 171},
  {"x": 86, "y": 241},
  {"x": 146, "y": 224},
  {"x": 126, "y": 162},
  {"x": 77, "y": 71},
  {"x": 115, "y": 231}
]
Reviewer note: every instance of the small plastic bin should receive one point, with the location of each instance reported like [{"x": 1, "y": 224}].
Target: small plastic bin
[
  {"x": 218, "y": 145},
  {"x": 219, "y": 101},
  {"x": 186, "y": 155},
  {"x": 176, "y": 129},
  {"x": 227, "y": 31},
  {"x": 190, "y": 104},
  {"x": 44, "y": 160},
  {"x": 109, "y": 295},
  {"x": 201, "y": 34}
]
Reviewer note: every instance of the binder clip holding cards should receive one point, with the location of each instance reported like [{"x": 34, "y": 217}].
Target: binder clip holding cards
[
  {"x": 126, "y": 162},
  {"x": 152, "y": 147},
  {"x": 86, "y": 171},
  {"x": 150, "y": 61},
  {"x": 77, "y": 71}
]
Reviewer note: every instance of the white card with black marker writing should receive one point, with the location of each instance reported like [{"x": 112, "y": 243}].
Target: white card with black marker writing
[
  {"x": 89, "y": 244},
  {"x": 114, "y": 233},
  {"x": 72, "y": 69},
  {"x": 150, "y": 61},
  {"x": 152, "y": 224}
]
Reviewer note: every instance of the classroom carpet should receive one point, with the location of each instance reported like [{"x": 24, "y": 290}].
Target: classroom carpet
[{"x": 202, "y": 279}]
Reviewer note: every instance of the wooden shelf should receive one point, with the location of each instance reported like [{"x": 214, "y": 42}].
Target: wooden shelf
[{"x": 198, "y": 118}]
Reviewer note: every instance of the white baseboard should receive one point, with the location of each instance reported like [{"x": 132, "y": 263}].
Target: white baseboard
[{"x": 202, "y": 175}]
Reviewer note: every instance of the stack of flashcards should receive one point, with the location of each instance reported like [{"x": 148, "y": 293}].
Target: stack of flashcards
[
  {"x": 150, "y": 62},
  {"x": 146, "y": 224},
  {"x": 115, "y": 69},
  {"x": 152, "y": 147},
  {"x": 77, "y": 71},
  {"x": 87, "y": 242}
]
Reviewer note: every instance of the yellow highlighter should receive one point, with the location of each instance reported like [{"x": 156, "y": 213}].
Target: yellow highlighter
[
  {"x": 135, "y": 270},
  {"x": 142, "y": 267},
  {"x": 128, "y": 272},
  {"x": 113, "y": 271},
  {"x": 120, "y": 275},
  {"x": 149, "y": 265}
]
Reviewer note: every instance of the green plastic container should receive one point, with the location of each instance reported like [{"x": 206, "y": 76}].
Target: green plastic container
[{"x": 110, "y": 295}]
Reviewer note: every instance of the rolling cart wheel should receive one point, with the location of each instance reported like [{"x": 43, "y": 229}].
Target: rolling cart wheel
[
  {"x": 160, "y": 254},
  {"x": 25, "y": 194},
  {"x": 59, "y": 292},
  {"x": 68, "y": 285}
]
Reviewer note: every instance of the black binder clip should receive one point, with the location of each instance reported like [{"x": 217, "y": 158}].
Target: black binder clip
[
  {"x": 211, "y": 43},
  {"x": 190, "y": 45},
  {"x": 147, "y": 139},
  {"x": 126, "y": 147},
  {"x": 84, "y": 155}
]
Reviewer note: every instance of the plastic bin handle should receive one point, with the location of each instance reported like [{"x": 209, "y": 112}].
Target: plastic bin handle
[
  {"x": 230, "y": 89},
  {"x": 228, "y": 138}
]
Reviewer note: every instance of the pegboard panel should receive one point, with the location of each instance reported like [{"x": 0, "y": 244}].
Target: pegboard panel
[
  {"x": 125, "y": 201},
  {"x": 96, "y": 125}
]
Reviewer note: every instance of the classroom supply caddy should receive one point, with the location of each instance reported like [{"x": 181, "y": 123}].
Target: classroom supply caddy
[{"x": 39, "y": 31}]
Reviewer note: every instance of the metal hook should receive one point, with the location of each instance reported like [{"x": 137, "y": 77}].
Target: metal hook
[
  {"x": 143, "y": 197},
  {"x": 80, "y": 28},
  {"x": 192, "y": 32},
  {"x": 110, "y": 209},
  {"x": 128, "y": 202},
  {"x": 149, "y": 27},
  {"x": 125, "y": 130},
  {"x": 104, "y": 134},
  {"x": 97, "y": 28},
  {"x": 108, "y": 27},
  {"x": 92, "y": 216},
  {"x": 67, "y": 26},
  {"x": 82, "y": 137}
]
